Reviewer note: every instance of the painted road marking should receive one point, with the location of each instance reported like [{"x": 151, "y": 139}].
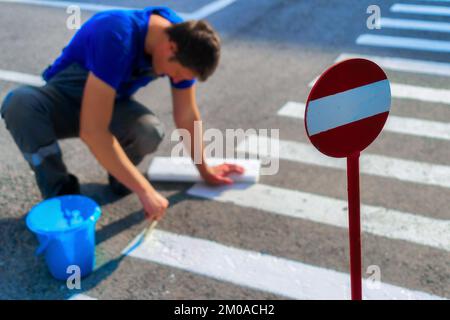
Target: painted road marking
[
  {"x": 201, "y": 13},
  {"x": 403, "y": 125},
  {"x": 208, "y": 10},
  {"x": 404, "y": 43},
  {"x": 415, "y": 25},
  {"x": 421, "y": 9},
  {"x": 406, "y": 91},
  {"x": 375, "y": 220},
  {"x": 371, "y": 164},
  {"x": 402, "y": 64},
  {"x": 182, "y": 169},
  {"x": 19, "y": 77},
  {"x": 65, "y": 4},
  {"x": 258, "y": 271}
]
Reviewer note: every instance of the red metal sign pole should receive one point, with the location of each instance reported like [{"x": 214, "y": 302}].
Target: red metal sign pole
[{"x": 354, "y": 225}]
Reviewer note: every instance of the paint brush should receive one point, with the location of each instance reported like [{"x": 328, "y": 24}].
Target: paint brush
[{"x": 149, "y": 229}]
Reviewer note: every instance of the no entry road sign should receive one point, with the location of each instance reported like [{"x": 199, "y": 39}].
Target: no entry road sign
[
  {"x": 347, "y": 107},
  {"x": 345, "y": 112}
]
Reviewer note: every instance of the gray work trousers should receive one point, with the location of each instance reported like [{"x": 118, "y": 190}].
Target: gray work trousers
[{"x": 37, "y": 117}]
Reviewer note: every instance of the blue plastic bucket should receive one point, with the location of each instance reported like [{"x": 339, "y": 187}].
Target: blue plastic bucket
[{"x": 65, "y": 228}]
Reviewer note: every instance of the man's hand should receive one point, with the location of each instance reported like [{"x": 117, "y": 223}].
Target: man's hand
[
  {"x": 154, "y": 204},
  {"x": 218, "y": 175}
]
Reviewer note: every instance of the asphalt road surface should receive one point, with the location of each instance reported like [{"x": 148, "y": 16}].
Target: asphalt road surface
[{"x": 285, "y": 237}]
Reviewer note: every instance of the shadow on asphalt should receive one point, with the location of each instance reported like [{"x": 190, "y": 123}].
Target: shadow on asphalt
[
  {"x": 22, "y": 274},
  {"x": 101, "y": 193}
]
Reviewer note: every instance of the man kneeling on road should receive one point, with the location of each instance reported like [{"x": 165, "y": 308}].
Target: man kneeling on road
[{"x": 88, "y": 93}]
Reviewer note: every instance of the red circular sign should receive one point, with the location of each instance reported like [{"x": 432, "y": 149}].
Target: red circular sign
[{"x": 347, "y": 107}]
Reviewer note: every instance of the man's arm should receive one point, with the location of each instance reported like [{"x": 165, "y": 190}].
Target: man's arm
[
  {"x": 185, "y": 113},
  {"x": 96, "y": 113}
]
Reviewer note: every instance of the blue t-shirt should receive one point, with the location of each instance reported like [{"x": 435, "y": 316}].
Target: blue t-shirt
[{"x": 111, "y": 45}]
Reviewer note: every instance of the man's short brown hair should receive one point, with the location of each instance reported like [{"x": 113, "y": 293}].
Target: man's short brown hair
[{"x": 198, "y": 46}]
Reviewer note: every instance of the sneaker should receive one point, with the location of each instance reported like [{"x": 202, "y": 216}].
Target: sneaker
[{"x": 117, "y": 187}]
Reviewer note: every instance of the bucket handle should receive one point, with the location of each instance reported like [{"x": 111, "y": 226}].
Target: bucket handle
[{"x": 43, "y": 245}]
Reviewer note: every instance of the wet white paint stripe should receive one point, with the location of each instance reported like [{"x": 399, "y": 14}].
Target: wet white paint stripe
[
  {"x": 322, "y": 118},
  {"x": 406, "y": 91},
  {"x": 402, "y": 64},
  {"x": 312, "y": 207},
  {"x": 371, "y": 164},
  {"x": 421, "y": 25},
  {"x": 81, "y": 296},
  {"x": 404, "y": 43},
  {"x": 258, "y": 271},
  {"x": 421, "y": 9},
  {"x": 403, "y": 125},
  {"x": 201, "y": 13},
  {"x": 19, "y": 77},
  {"x": 182, "y": 169}
]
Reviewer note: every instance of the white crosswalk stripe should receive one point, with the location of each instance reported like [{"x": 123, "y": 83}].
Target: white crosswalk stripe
[
  {"x": 405, "y": 91},
  {"x": 371, "y": 164},
  {"x": 64, "y": 4},
  {"x": 403, "y": 64},
  {"x": 20, "y": 77},
  {"x": 252, "y": 269},
  {"x": 375, "y": 220},
  {"x": 421, "y": 9},
  {"x": 403, "y": 125},
  {"x": 404, "y": 43},
  {"x": 200, "y": 13},
  {"x": 421, "y": 25}
]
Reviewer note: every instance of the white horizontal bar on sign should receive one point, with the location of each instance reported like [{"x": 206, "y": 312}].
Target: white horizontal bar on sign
[
  {"x": 257, "y": 271},
  {"x": 371, "y": 164},
  {"x": 182, "y": 169},
  {"x": 375, "y": 96},
  {"x": 402, "y": 64},
  {"x": 421, "y": 25},
  {"x": 403, "y": 125},
  {"x": 421, "y": 9},
  {"x": 404, "y": 43},
  {"x": 19, "y": 77},
  {"x": 378, "y": 221},
  {"x": 406, "y": 91}
]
